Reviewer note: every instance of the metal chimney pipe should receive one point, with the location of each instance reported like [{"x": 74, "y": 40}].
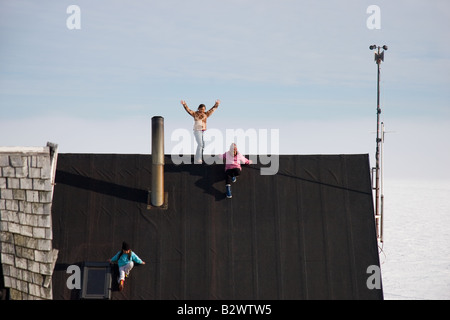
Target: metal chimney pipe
[{"x": 157, "y": 192}]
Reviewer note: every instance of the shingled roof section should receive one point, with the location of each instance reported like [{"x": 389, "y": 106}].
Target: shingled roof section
[{"x": 26, "y": 191}]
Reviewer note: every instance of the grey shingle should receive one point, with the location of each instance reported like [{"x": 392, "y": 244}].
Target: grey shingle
[{"x": 27, "y": 256}]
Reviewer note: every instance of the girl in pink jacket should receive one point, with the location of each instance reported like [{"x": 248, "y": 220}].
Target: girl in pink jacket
[{"x": 233, "y": 160}]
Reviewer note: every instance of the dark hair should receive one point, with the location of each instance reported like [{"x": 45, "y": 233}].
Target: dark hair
[
  {"x": 125, "y": 247},
  {"x": 201, "y": 106}
]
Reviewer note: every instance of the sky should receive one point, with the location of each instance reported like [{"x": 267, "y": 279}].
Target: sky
[{"x": 301, "y": 68}]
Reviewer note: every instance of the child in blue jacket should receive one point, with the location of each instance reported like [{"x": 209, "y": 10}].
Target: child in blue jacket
[{"x": 125, "y": 259}]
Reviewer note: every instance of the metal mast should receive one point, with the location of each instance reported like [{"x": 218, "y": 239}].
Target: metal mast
[{"x": 379, "y": 56}]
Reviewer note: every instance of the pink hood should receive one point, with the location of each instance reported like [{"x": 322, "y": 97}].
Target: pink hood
[{"x": 234, "y": 161}]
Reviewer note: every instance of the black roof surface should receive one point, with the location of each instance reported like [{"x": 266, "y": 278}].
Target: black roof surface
[{"x": 307, "y": 232}]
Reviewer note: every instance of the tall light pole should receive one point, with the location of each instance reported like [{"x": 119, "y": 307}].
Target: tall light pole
[{"x": 379, "y": 56}]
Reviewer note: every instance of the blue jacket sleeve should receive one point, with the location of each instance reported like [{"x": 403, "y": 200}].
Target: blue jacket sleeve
[
  {"x": 116, "y": 257},
  {"x": 135, "y": 258}
]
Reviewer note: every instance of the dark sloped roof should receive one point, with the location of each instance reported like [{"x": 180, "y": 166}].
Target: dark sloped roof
[{"x": 307, "y": 232}]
